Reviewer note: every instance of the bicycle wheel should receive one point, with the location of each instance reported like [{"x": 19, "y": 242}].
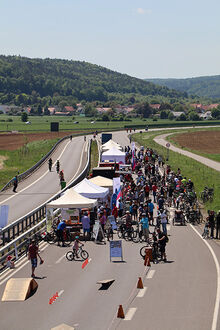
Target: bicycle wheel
[
  {"x": 119, "y": 234},
  {"x": 84, "y": 254},
  {"x": 50, "y": 238},
  {"x": 135, "y": 236},
  {"x": 70, "y": 255},
  {"x": 142, "y": 250}
]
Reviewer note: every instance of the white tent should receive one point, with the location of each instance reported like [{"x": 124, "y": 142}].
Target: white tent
[
  {"x": 71, "y": 199},
  {"x": 111, "y": 144},
  {"x": 114, "y": 155},
  {"x": 102, "y": 181},
  {"x": 90, "y": 190}
]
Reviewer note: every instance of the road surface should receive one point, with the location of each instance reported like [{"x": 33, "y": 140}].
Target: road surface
[{"x": 181, "y": 294}]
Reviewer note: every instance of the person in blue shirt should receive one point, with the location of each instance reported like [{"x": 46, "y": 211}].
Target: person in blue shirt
[
  {"x": 145, "y": 225},
  {"x": 60, "y": 228},
  {"x": 151, "y": 211}
]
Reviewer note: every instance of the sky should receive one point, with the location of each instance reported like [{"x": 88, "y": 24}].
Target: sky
[{"x": 142, "y": 38}]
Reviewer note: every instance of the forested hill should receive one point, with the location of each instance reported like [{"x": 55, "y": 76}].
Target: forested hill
[
  {"x": 202, "y": 86},
  {"x": 80, "y": 80}
]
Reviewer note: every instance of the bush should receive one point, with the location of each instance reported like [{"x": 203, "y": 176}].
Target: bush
[
  {"x": 154, "y": 119},
  {"x": 10, "y": 120}
]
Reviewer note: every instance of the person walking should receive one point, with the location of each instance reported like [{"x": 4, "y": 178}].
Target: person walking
[
  {"x": 15, "y": 183},
  {"x": 145, "y": 225},
  {"x": 86, "y": 226},
  {"x": 33, "y": 253},
  {"x": 163, "y": 220},
  {"x": 217, "y": 225}
]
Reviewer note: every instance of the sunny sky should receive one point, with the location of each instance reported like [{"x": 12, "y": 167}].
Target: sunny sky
[{"x": 143, "y": 38}]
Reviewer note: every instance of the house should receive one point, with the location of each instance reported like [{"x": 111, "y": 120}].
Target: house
[
  {"x": 103, "y": 110},
  {"x": 206, "y": 116},
  {"x": 69, "y": 109},
  {"x": 155, "y": 106},
  {"x": 5, "y": 108},
  {"x": 177, "y": 114}
]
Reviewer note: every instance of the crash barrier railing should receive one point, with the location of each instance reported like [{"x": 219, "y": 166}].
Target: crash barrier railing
[
  {"x": 27, "y": 222},
  {"x": 38, "y": 164}
]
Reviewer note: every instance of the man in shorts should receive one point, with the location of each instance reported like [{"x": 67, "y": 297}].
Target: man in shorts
[{"x": 32, "y": 256}]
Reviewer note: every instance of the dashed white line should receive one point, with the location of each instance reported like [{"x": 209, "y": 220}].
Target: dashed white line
[
  {"x": 151, "y": 273},
  {"x": 60, "y": 259},
  {"x": 130, "y": 313},
  {"x": 142, "y": 292},
  {"x": 60, "y": 293}
]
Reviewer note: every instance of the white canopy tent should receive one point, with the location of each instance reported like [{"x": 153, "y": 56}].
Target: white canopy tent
[
  {"x": 114, "y": 155},
  {"x": 71, "y": 199},
  {"x": 111, "y": 144},
  {"x": 102, "y": 181},
  {"x": 89, "y": 189}
]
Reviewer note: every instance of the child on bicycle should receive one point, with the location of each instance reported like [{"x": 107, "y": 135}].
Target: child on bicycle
[
  {"x": 205, "y": 233},
  {"x": 76, "y": 246}
]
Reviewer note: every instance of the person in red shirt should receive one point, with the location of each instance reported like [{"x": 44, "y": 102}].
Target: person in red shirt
[
  {"x": 147, "y": 191},
  {"x": 115, "y": 211},
  {"x": 32, "y": 255},
  {"x": 154, "y": 190}
]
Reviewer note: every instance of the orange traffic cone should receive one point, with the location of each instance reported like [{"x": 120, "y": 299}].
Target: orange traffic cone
[
  {"x": 140, "y": 284},
  {"x": 121, "y": 314}
]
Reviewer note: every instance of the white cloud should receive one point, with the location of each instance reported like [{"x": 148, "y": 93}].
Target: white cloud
[{"x": 142, "y": 11}]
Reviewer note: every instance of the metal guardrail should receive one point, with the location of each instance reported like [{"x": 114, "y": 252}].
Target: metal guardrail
[
  {"x": 21, "y": 228},
  {"x": 38, "y": 164}
]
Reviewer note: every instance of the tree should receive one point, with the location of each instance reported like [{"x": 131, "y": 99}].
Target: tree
[
  {"x": 163, "y": 114},
  {"x": 182, "y": 117},
  {"x": 171, "y": 116},
  {"x": 46, "y": 111},
  {"x": 24, "y": 117},
  {"x": 90, "y": 111},
  {"x": 216, "y": 113},
  {"x": 105, "y": 117},
  {"x": 194, "y": 116},
  {"x": 39, "y": 110},
  {"x": 144, "y": 109}
]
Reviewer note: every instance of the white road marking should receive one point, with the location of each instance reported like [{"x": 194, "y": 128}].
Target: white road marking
[
  {"x": 151, "y": 273},
  {"x": 217, "y": 299},
  {"x": 60, "y": 293},
  {"x": 20, "y": 191},
  {"x": 60, "y": 259},
  {"x": 130, "y": 313},
  {"x": 142, "y": 292},
  {"x": 19, "y": 268}
]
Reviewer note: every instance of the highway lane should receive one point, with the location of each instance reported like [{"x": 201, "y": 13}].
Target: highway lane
[
  {"x": 42, "y": 184},
  {"x": 180, "y": 294}
]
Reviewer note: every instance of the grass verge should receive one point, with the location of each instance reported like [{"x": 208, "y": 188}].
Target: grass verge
[
  {"x": 94, "y": 156},
  {"x": 200, "y": 174},
  {"x": 24, "y": 158}
]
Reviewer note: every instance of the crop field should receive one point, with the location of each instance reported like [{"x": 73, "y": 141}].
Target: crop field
[{"x": 205, "y": 143}]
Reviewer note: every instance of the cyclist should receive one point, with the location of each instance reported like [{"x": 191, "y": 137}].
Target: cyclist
[
  {"x": 50, "y": 162},
  {"x": 58, "y": 166},
  {"x": 76, "y": 246}
]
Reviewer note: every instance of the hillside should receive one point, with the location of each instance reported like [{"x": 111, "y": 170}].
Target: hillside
[
  {"x": 27, "y": 81},
  {"x": 202, "y": 86}
]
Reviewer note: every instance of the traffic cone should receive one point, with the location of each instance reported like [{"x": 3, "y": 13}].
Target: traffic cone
[
  {"x": 140, "y": 284},
  {"x": 121, "y": 314}
]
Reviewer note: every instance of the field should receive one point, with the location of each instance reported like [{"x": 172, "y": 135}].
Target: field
[
  {"x": 85, "y": 124},
  {"x": 200, "y": 174},
  {"x": 205, "y": 143}
]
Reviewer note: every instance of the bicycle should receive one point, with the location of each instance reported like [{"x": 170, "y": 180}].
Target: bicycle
[{"x": 72, "y": 255}]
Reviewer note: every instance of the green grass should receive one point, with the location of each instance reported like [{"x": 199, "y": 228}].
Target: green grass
[
  {"x": 24, "y": 158},
  {"x": 94, "y": 156},
  {"x": 215, "y": 157},
  {"x": 42, "y": 123},
  {"x": 200, "y": 174}
]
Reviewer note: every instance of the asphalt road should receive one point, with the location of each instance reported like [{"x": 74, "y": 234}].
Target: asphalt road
[
  {"x": 42, "y": 184},
  {"x": 181, "y": 294}
]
